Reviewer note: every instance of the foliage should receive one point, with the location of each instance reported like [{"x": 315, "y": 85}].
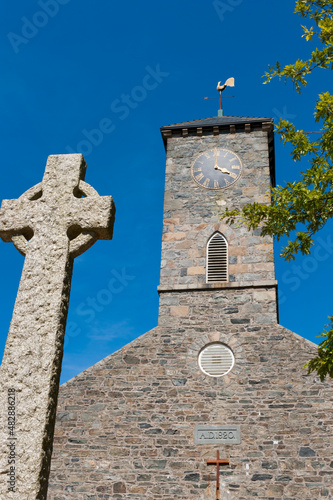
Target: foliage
[
  {"x": 323, "y": 363},
  {"x": 301, "y": 208}
]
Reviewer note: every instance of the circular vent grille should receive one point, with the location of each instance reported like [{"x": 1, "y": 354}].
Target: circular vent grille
[{"x": 216, "y": 360}]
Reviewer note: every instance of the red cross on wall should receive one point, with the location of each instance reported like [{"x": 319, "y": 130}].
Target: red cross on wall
[{"x": 217, "y": 462}]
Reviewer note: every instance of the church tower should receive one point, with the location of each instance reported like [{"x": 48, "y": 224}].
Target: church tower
[
  {"x": 213, "y": 402},
  {"x": 212, "y": 164}
]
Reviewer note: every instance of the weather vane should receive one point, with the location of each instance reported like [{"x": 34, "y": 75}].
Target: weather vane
[{"x": 229, "y": 83}]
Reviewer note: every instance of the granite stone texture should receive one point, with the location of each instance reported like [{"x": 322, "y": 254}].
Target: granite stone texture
[{"x": 50, "y": 224}]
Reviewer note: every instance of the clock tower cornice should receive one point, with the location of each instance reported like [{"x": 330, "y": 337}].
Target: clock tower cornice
[{"x": 217, "y": 125}]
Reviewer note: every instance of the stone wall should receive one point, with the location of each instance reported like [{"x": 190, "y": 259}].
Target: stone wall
[
  {"x": 125, "y": 427},
  {"x": 192, "y": 214},
  {"x": 216, "y": 309}
]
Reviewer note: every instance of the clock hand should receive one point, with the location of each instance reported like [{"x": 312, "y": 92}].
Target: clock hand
[
  {"x": 216, "y": 165},
  {"x": 223, "y": 170}
]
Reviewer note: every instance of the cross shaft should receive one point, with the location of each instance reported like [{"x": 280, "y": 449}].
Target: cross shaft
[{"x": 50, "y": 224}]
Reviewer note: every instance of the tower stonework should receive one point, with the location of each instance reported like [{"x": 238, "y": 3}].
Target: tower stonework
[
  {"x": 193, "y": 214},
  {"x": 144, "y": 422}
]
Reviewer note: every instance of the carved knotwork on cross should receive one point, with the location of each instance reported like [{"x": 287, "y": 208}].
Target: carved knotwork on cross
[
  {"x": 217, "y": 462},
  {"x": 50, "y": 224}
]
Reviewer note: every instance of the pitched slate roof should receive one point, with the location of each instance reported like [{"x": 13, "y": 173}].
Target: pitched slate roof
[{"x": 217, "y": 121}]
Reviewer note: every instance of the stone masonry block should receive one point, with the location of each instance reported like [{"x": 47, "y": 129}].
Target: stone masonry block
[
  {"x": 193, "y": 271},
  {"x": 179, "y": 310}
]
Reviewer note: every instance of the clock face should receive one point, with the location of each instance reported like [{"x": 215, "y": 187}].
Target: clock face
[{"x": 216, "y": 169}]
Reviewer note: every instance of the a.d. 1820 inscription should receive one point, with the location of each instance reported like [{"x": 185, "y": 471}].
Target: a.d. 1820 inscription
[{"x": 220, "y": 434}]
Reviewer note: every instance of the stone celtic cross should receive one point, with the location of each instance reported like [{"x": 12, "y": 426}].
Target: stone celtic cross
[{"x": 50, "y": 224}]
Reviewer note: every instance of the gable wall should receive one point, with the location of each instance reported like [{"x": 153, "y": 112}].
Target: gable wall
[{"x": 125, "y": 427}]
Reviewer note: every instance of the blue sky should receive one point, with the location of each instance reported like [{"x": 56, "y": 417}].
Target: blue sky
[{"x": 101, "y": 78}]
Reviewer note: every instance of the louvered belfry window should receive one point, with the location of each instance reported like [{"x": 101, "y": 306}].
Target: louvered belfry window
[{"x": 217, "y": 258}]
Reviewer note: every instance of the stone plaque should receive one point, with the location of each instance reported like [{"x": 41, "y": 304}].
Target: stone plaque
[{"x": 217, "y": 434}]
